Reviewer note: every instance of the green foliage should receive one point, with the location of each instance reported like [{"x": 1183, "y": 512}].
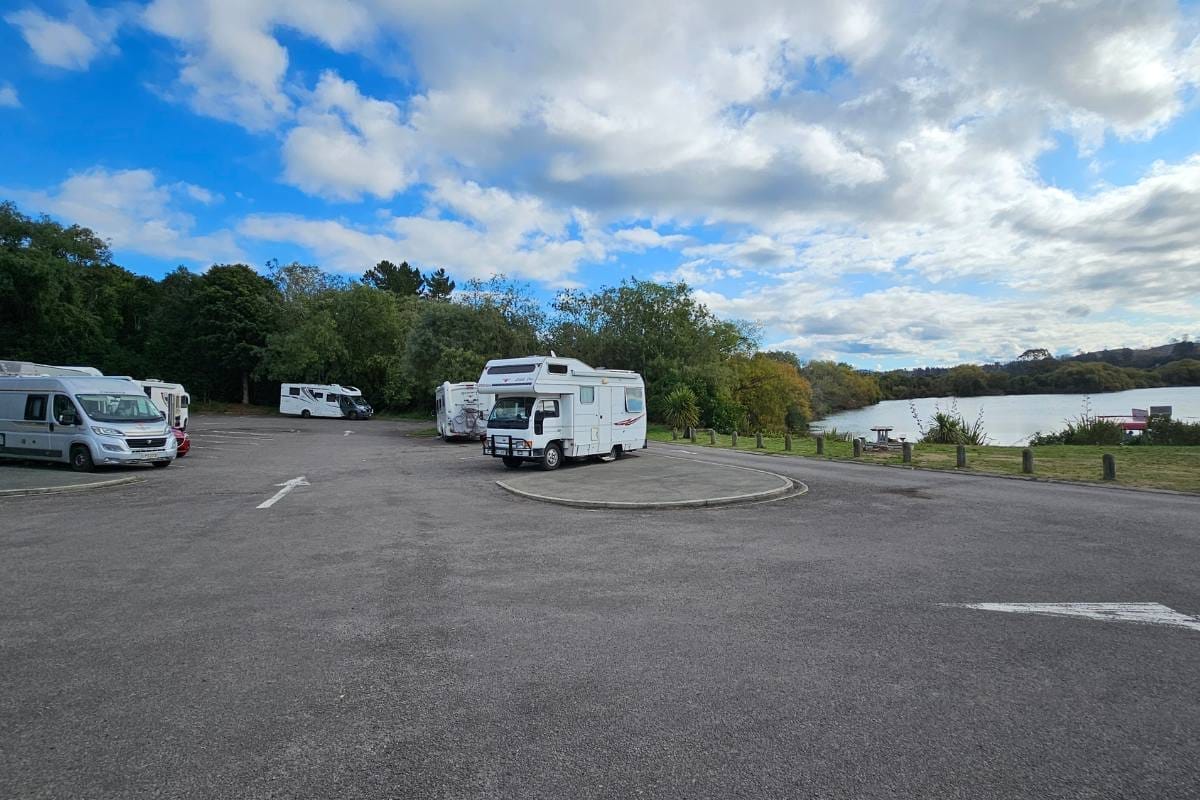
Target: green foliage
[
  {"x": 772, "y": 392},
  {"x": 402, "y": 280},
  {"x": 949, "y": 427},
  {"x": 1083, "y": 429},
  {"x": 839, "y": 387},
  {"x": 437, "y": 285},
  {"x": 680, "y": 408},
  {"x": 1167, "y": 431}
]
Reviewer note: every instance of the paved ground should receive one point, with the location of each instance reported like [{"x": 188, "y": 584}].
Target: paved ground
[
  {"x": 648, "y": 479},
  {"x": 401, "y": 627},
  {"x": 24, "y": 477}
]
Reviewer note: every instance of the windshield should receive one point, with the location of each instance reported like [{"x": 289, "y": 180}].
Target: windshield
[
  {"x": 511, "y": 412},
  {"x": 118, "y": 408}
]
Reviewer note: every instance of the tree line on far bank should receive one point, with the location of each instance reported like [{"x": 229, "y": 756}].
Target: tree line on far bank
[{"x": 231, "y": 334}]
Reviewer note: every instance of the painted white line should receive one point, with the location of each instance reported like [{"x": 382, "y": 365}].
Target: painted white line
[
  {"x": 287, "y": 487},
  {"x": 347, "y": 433},
  {"x": 1146, "y": 613}
]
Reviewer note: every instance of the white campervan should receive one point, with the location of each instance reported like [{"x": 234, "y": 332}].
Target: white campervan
[
  {"x": 86, "y": 421},
  {"x": 170, "y": 398},
  {"x": 550, "y": 408},
  {"x": 461, "y": 411},
  {"x": 323, "y": 400}
]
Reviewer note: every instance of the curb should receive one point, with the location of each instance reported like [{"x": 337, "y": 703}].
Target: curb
[
  {"x": 74, "y": 487},
  {"x": 791, "y": 488}
]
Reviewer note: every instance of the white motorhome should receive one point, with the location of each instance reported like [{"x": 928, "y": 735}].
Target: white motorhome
[
  {"x": 323, "y": 400},
  {"x": 462, "y": 413},
  {"x": 31, "y": 368},
  {"x": 170, "y": 398},
  {"x": 551, "y": 408},
  {"x": 86, "y": 421}
]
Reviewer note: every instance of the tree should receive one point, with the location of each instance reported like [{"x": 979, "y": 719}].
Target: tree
[
  {"x": 839, "y": 387},
  {"x": 1034, "y": 354},
  {"x": 438, "y": 285},
  {"x": 236, "y": 313},
  {"x": 771, "y": 391},
  {"x": 402, "y": 280}
]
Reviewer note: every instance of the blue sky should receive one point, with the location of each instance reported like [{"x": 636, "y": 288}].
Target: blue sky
[{"x": 889, "y": 184}]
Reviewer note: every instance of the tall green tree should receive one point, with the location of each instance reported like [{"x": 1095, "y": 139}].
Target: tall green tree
[
  {"x": 237, "y": 311},
  {"x": 437, "y": 285},
  {"x": 401, "y": 280}
]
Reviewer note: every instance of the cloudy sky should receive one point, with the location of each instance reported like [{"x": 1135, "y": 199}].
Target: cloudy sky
[{"x": 885, "y": 183}]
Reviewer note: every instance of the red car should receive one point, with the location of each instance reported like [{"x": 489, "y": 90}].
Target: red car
[{"x": 183, "y": 442}]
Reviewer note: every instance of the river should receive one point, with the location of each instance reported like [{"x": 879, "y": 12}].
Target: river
[{"x": 1012, "y": 419}]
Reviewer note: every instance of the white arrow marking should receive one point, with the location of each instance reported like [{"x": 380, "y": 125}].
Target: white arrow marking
[
  {"x": 347, "y": 433},
  {"x": 1148, "y": 613},
  {"x": 287, "y": 487}
]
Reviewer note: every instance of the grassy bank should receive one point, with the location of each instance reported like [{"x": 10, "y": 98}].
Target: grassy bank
[{"x": 1154, "y": 467}]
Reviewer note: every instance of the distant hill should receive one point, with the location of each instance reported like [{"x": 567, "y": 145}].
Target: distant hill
[{"x": 1145, "y": 358}]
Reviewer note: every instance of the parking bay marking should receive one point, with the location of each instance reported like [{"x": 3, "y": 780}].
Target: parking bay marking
[
  {"x": 287, "y": 487},
  {"x": 1146, "y": 613}
]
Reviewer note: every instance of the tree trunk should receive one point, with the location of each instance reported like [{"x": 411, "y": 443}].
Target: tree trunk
[{"x": 245, "y": 388}]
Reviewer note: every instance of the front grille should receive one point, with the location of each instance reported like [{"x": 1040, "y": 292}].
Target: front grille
[{"x": 145, "y": 444}]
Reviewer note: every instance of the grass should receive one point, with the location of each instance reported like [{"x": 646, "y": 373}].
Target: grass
[{"x": 1158, "y": 467}]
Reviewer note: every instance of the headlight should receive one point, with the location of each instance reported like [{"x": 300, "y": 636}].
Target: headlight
[{"x": 106, "y": 431}]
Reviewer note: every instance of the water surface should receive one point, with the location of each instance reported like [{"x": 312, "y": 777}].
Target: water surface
[{"x": 1012, "y": 419}]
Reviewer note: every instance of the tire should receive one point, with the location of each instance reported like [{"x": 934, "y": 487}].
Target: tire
[
  {"x": 512, "y": 463},
  {"x": 161, "y": 464},
  {"x": 81, "y": 459},
  {"x": 552, "y": 457},
  {"x": 616, "y": 452},
  {"x": 305, "y": 414}
]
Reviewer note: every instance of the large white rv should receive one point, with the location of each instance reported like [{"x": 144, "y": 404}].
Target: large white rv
[
  {"x": 84, "y": 420},
  {"x": 550, "y": 408},
  {"x": 462, "y": 413},
  {"x": 170, "y": 398},
  {"x": 323, "y": 400}
]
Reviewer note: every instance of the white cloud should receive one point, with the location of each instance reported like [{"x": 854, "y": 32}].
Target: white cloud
[
  {"x": 346, "y": 144},
  {"x": 135, "y": 212},
  {"x": 232, "y": 67},
  {"x": 9, "y": 97},
  {"x": 69, "y": 43}
]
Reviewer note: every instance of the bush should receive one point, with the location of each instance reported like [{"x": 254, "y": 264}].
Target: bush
[
  {"x": 680, "y": 408},
  {"x": 949, "y": 427},
  {"x": 1084, "y": 429},
  {"x": 1164, "y": 430}
]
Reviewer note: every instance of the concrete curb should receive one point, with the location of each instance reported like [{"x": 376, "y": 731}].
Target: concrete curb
[
  {"x": 791, "y": 488},
  {"x": 968, "y": 473},
  {"x": 73, "y": 487}
]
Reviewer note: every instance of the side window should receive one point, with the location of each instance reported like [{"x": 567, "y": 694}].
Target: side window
[
  {"x": 557, "y": 369},
  {"x": 634, "y": 400},
  {"x": 587, "y": 394},
  {"x": 64, "y": 411},
  {"x": 549, "y": 408},
  {"x": 147, "y": 391},
  {"x": 294, "y": 391},
  {"x": 332, "y": 398},
  {"x": 183, "y": 401},
  {"x": 318, "y": 395},
  {"x": 35, "y": 408}
]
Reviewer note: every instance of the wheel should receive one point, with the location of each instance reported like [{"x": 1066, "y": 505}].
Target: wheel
[
  {"x": 616, "y": 452},
  {"x": 161, "y": 464},
  {"x": 551, "y": 457},
  {"x": 81, "y": 459},
  {"x": 512, "y": 463},
  {"x": 305, "y": 413}
]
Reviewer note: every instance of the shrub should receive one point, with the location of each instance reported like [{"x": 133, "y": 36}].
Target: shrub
[
  {"x": 1084, "y": 429},
  {"x": 949, "y": 427},
  {"x": 680, "y": 408}
]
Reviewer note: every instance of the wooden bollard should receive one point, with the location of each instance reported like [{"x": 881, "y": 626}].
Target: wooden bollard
[
  {"x": 787, "y": 441},
  {"x": 961, "y": 456},
  {"x": 820, "y": 445},
  {"x": 734, "y": 436},
  {"x": 674, "y": 434},
  {"x": 758, "y": 440},
  {"x": 906, "y": 451},
  {"x": 712, "y": 436},
  {"x": 693, "y": 436},
  {"x": 1027, "y": 461},
  {"x": 1110, "y": 467},
  {"x": 857, "y": 448}
]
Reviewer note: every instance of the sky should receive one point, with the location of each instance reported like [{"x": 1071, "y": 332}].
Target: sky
[{"x": 884, "y": 183}]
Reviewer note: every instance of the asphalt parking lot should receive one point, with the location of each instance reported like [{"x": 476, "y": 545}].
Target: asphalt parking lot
[{"x": 396, "y": 625}]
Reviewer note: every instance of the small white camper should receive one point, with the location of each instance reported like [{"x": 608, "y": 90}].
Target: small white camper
[
  {"x": 550, "y": 408},
  {"x": 323, "y": 400},
  {"x": 462, "y": 413},
  {"x": 170, "y": 398}
]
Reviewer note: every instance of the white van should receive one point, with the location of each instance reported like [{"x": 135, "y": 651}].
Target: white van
[
  {"x": 461, "y": 411},
  {"x": 323, "y": 400},
  {"x": 550, "y": 408},
  {"x": 170, "y": 398},
  {"x": 86, "y": 421}
]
